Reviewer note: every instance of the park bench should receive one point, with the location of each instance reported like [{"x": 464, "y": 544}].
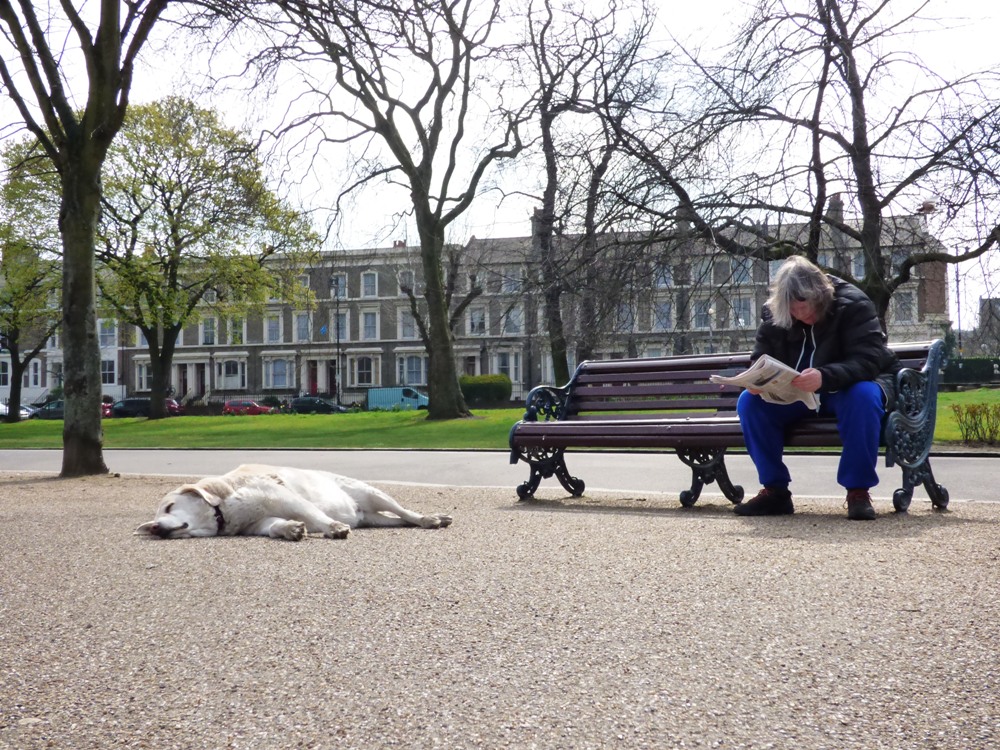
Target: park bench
[{"x": 669, "y": 403}]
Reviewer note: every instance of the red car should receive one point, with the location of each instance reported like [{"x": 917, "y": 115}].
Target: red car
[{"x": 246, "y": 406}]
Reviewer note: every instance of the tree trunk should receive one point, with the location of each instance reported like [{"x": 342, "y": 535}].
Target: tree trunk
[
  {"x": 17, "y": 368},
  {"x": 82, "y": 433},
  {"x": 446, "y": 399}
]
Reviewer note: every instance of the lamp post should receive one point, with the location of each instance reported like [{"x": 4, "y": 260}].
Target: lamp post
[{"x": 335, "y": 286}]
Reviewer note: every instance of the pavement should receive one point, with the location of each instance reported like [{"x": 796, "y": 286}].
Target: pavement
[
  {"x": 967, "y": 476},
  {"x": 614, "y": 620}
]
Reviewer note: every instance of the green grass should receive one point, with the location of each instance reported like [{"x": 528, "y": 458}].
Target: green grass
[{"x": 487, "y": 430}]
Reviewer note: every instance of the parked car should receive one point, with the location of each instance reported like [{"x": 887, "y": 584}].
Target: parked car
[
  {"x": 246, "y": 406},
  {"x": 26, "y": 411},
  {"x": 51, "y": 410},
  {"x": 316, "y": 405},
  {"x": 141, "y": 407}
]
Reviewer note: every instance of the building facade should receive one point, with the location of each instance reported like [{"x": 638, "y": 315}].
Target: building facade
[{"x": 665, "y": 298}]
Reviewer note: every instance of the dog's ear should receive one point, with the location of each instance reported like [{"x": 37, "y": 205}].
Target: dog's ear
[
  {"x": 144, "y": 529},
  {"x": 213, "y": 490}
]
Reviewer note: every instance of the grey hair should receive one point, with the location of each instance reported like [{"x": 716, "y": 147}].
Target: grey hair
[{"x": 798, "y": 280}]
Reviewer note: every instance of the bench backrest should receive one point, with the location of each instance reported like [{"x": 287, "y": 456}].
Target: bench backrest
[{"x": 609, "y": 389}]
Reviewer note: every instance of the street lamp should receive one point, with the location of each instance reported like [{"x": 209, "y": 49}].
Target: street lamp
[{"x": 335, "y": 287}]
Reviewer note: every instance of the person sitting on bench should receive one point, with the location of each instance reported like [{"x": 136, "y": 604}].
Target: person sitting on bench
[{"x": 829, "y": 331}]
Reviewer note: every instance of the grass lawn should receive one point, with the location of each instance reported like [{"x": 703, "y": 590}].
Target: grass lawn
[{"x": 487, "y": 430}]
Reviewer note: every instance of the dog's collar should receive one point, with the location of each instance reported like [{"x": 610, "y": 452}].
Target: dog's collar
[{"x": 220, "y": 520}]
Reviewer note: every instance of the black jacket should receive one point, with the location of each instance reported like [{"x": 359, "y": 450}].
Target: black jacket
[{"x": 849, "y": 342}]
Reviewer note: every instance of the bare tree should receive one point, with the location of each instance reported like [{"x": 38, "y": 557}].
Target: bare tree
[
  {"x": 587, "y": 72},
  {"x": 407, "y": 86},
  {"x": 813, "y": 111},
  {"x": 43, "y": 61}
]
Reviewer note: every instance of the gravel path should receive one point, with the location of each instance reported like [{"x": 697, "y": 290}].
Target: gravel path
[{"x": 612, "y": 621}]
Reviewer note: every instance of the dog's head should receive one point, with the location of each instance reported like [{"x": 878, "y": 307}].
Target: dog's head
[{"x": 190, "y": 510}]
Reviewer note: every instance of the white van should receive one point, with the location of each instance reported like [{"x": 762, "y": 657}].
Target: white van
[{"x": 395, "y": 398}]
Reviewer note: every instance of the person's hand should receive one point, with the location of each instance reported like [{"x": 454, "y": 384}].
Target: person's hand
[{"x": 809, "y": 380}]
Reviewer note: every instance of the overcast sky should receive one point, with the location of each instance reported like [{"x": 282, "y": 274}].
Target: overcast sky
[{"x": 967, "y": 41}]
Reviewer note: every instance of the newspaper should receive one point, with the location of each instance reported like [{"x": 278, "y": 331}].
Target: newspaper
[{"x": 774, "y": 381}]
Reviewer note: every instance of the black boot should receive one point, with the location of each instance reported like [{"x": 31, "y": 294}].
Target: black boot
[{"x": 770, "y": 501}]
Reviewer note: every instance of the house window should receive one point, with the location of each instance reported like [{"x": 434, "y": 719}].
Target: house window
[
  {"x": 363, "y": 371},
  {"x": 742, "y": 316},
  {"x": 624, "y": 318},
  {"x": 369, "y": 326},
  {"x": 406, "y": 282},
  {"x": 407, "y": 325},
  {"x": 338, "y": 286},
  {"x": 412, "y": 370},
  {"x": 664, "y": 277},
  {"x": 272, "y": 326},
  {"x": 211, "y": 297},
  {"x": 662, "y": 316},
  {"x": 772, "y": 268},
  {"x": 511, "y": 282},
  {"x": 513, "y": 322},
  {"x": 340, "y": 326},
  {"x": 701, "y": 272},
  {"x": 369, "y": 284},
  {"x": 741, "y": 270},
  {"x": 277, "y": 373},
  {"x": 143, "y": 377},
  {"x": 903, "y": 302},
  {"x": 4, "y": 374},
  {"x": 208, "y": 332},
  {"x": 304, "y": 280},
  {"x": 303, "y": 327},
  {"x": 53, "y": 342},
  {"x": 509, "y": 364},
  {"x": 858, "y": 266},
  {"x": 702, "y": 313},
  {"x": 107, "y": 372},
  {"x": 107, "y": 334},
  {"x": 231, "y": 373},
  {"x": 236, "y": 333},
  {"x": 477, "y": 321}
]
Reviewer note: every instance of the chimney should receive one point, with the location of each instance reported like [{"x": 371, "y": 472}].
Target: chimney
[
  {"x": 398, "y": 244},
  {"x": 835, "y": 208}
]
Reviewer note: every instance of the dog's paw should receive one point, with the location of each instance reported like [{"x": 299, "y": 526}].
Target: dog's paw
[
  {"x": 337, "y": 530},
  {"x": 435, "y": 521},
  {"x": 293, "y": 531}
]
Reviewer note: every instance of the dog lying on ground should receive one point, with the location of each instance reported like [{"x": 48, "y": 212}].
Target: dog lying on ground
[{"x": 279, "y": 502}]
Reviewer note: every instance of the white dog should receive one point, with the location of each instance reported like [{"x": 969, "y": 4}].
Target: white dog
[{"x": 279, "y": 502}]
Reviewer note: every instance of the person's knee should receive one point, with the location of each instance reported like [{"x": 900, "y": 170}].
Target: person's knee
[{"x": 747, "y": 404}]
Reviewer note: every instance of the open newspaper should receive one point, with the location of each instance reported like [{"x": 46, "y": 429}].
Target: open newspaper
[{"x": 774, "y": 381}]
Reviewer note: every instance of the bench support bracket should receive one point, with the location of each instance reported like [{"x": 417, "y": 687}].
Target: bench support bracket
[
  {"x": 707, "y": 465},
  {"x": 544, "y": 463}
]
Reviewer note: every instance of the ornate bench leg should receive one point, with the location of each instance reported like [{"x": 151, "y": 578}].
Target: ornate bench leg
[
  {"x": 544, "y": 463},
  {"x": 708, "y": 465},
  {"x": 919, "y": 474}
]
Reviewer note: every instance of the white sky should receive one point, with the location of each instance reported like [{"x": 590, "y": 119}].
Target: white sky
[{"x": 966, "y": 41}]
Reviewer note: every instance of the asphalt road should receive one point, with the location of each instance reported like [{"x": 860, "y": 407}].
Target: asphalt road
[{"x": 966, "y": 478}]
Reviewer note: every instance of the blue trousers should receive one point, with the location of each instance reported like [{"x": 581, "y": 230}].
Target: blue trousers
[{"x": 859, "y": 410}]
